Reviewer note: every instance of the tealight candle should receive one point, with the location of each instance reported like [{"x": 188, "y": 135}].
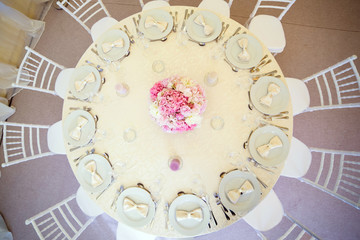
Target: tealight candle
[
  {"x": 211, "y": 78},
  {"x": 175, "y": 163},
  {"x": 122, "y": 89}
]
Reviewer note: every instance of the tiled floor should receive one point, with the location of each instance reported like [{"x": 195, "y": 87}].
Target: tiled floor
[{"x": 319, "y": 34}]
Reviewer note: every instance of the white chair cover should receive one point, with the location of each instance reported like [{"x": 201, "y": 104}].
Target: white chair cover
[
  {"x": 5, "y": 110},
  {"x": 62, "y": 82},
  {"x": 86, "y": 204},
  {"x": 55, "y": 138},
  {"x": 125, "y": 232},
  {"x": 218, "y": 6},
  {"x": 155, "y": 4},
  {"x": 4, "y": 231},
  {"x": 101, "y": 26},
  {"x": 300, "y": 97}
]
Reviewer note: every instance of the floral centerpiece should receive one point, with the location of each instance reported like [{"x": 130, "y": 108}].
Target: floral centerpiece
[{"x": 177, "y": 104}]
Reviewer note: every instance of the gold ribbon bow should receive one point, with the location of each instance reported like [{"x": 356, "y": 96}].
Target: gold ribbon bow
[
  {"x": 273, "y": 90},
  {"x": 195, "y": 214},
  {"x": 201, "y": 21},
  {"x": 96, "y": 179},
  {"x": 264, "y": 150},
  {"x": 76, "y": 133},
  {"x": 129, "y": 205},
  {"x": 235, "y": 194},
  {"x": 244, "y": 55},
  {"x": 106, "y": 47},
  {"x": 150, "y": 21},
  {"x": 79, "y": 85}
]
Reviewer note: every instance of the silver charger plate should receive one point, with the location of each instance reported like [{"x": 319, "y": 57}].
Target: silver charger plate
[
  {"x": 115, "y": 53},
  {"x": 263, "y": 136},
  {"x": 254, "y": 48},
  {"x": 153, "y": 33},
  {"x": 196, "y": 31},
  {"x": 103, "y": 168},
  {"x": 189, "y": 227},
  {"x": 279, "y": 102},
  {"x": 234, "y": 180},
  {"x": 90, "y": 88},
  {"x": 87, "y": 131},
  {"x": 139, "y": 196}
]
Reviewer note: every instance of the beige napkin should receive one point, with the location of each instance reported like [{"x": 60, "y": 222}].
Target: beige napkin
[
  {"x": 201, "y": 21},
  {"x": 79, "y": 85},
  {"x": 235, "y": 194},
  {"x": 106, "y": 47},
  {"x": 195, "y": 214},
  {"x": 129, "y": 205},
  {"x": 76, "y": 133},
  {"x": 96, "y": 179},
  {"x": 273, "y": 90},
  {"x": 264, "y": 150},
  {"x": 244, "y": 56},
  {"x": 150, "y": 21}
]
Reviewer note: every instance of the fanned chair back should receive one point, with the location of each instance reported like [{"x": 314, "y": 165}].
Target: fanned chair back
[
  {"x": 282, "y": 5},
  {"x": 37, "y": 72},
  {"x": 59, "y": 221},
  {"x": 338, "y": 86},
  {"x": 84, "y": 11},
  {"x": 337, "y": 174},
  {"x": 22, "y": 142}
]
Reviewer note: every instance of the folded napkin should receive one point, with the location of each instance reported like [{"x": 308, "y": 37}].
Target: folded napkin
[
  {"x": 79, "y": 85},
  {"x": 264, "y": 150},
  {"x": 244, "y": 56},
  {"x": 76, "y": 132},
  {"x": 201, "y": 21},
  {"x": 273, "y": 90},
  {"x": 130, "y": 205},
  {"x": 195, "y": 214},
  {"x": 96, "y": 179},
  {"x": 235, "y": 194},
  {"x": 150, "y": 21},
  {"x": 106, "y": 47}
]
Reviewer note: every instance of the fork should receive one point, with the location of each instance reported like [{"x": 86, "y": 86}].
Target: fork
[
  {"x": 235, "y": 69},
  {"x": 118, "y": 192}
]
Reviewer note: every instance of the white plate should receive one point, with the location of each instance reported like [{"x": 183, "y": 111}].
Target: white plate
[
  {"x": 87, "y": 131},
  {"x": 103, "y": 168},
  {"x": 263, "y": 136},
  {"x": 196, "y": 31},
  {"x": 279, "y": 102},
  {"x": 233, "y": 180},
  {"x": 90, "y": 88},
  {"x": 115, "y": 53},
  {"x": 189, "y": 227},
  {"x": 254, "y": 48},
  {"x": 139, "y": 196},
  {"x": 153, "y": 33}
]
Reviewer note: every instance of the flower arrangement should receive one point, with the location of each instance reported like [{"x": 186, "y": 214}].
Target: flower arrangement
[{"x": 177, "y": 103}]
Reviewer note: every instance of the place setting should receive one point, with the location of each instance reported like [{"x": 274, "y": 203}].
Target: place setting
[{"x": 155, "y": 24}]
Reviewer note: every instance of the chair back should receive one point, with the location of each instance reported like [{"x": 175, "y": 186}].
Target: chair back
[
  {"x": 59, "y": 221},
  {"x": 337, "y": 174},
  {"x": 219, "y": 6},
  {"x": 84, "y": 11},
  {"x": 153, "y": 4},
  {"x": 22, "y": 142},
  {"x": 344, "y": 78},
  {"x": 282, "y": 5},
  {"x": 37, "y": 72}
]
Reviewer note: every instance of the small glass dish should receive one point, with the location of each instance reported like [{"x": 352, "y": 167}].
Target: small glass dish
[
  {"x": 158, "y": 66},
  {"x": 175, "y": 163},
  {"x": 129, "y": 135},
  {"x": 122, "y": 89},
  {"x": 217, "y": 123},
  {"x": 211, "y": 79}
]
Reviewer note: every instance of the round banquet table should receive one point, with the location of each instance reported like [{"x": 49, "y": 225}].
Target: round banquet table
[{"x": 205, "y": 152}]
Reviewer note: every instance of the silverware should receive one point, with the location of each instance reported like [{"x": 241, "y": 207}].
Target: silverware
[
  {"x": 118, "y": 192},
  {"x": 250, "y": 105},
  {"x": 223, "y": 33},
  {"x": 136, "y": 26},
  {"x": 112, "y": 181},
  {"x": 257, "y": 76},
  {"x": 218, "y": 202},
  {"x": 88, "y": 109},
  {"x": 235, "y": 69},
  {"x": 166, "y": 212},
  {"x": 184, "y": 20},
  {"x": 131, "y": 37},
  {"x": 152, "y": 220},
  {"x": 81, "y": 156},
  {"x": 176, "y": 19},
  {"x": 86, "y": 145},
  {"x": 246, "y": 143},
  {"x": 222, "y": 29},
  {"x": 261, "y": 65},
  {"x": 212, "y": 217},
  {"x": 260, "y": 181},
  {"x": 263, "y": 122},
  {"x": 98, "y": 67},
  {"x": 216, "y": 195},
  {"x": 200, "y": 43},
  {"x": 258, "y": 165}
]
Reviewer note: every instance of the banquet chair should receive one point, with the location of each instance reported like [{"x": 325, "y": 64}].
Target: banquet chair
[
  {"x": 39, "y": 73},
  {"x": 62, "y": 221},
  {"x": 268, "y": 28},
  {"x": 341, "y": 80},
  {"x": 84, "y": 12},
  {"x": 5, "y": 110},
  {"x": 153, "y": 4},
  {"x": 22, "y": 142},
  {"x": 219, "y": 6}
]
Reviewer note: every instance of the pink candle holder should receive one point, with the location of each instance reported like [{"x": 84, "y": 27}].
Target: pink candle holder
[{"x": 175, "y": 163}]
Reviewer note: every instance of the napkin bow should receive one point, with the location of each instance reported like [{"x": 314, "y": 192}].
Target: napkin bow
[
  {"x": 201, "y": 21},
  {"x": 76, "y": 133},
  {"x": 195, "y": 214},
  {"x": 96, "y": 179},
  {"x": 106, "y": 47},
  {"x": 273, "y": 90},
  {"x": 79, "y": 85},
  {"x": 129, "y": 205},
  {"x": 235, "y": 194},
  {"x": 150, "y": 21},
  {"x": 244, "y": 55},
  {"x": 264, "y": 150}
]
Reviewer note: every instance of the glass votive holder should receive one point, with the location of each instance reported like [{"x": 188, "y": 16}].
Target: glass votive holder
[
  {"x": 217, "y": 123},
  {"x": 211, "y": 79},
  {"x": 158, "y": 66},
  {"x": 175, "y": 163},
  {"x": 129, "y": 135},
  {"x": 122, "y": 89}
]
